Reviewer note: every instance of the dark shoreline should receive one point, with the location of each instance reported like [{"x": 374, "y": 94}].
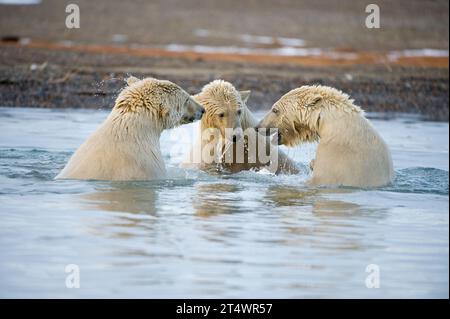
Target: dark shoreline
[{"x": 67, "y": 79}]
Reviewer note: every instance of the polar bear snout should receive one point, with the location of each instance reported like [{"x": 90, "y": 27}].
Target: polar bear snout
[
  {"x": 237, "y": 135},
  {"x": 262, "y": 130},
  {"x": 269, "y": 132},
  {"x": 193, "y": 111},
  {"x": 266, "y": 125},
  {"x": 200, "y": 113}
]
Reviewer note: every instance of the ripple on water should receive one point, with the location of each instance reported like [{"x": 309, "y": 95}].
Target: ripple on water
[
  {"x": 421, "y": 180},
  {"x": 196, "y": 234}
]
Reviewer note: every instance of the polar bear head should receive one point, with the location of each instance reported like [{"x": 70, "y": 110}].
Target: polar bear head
[
  {"x": 301, "y": 113},
  {"x": 224, "y": 107},
  {"x": 163, "y": 102}
]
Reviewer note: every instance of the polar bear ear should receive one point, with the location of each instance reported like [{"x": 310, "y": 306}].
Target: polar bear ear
[
  {"x": 245, "y": 95},
  {"x": 314, "y": 100},
  {"x": 163, "y": 111},
  {"x": 195, "y": 97},
  {"x": 131, "y": 79}
]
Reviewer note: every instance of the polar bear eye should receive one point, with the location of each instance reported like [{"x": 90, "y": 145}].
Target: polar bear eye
[
  {"x": 275, "y": 111},
  {"x": 239, "y": 112},
  {"x": 221, "y": 114}
]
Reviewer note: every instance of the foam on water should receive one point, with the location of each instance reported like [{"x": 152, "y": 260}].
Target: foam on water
[{"x": 251, "y": 234}]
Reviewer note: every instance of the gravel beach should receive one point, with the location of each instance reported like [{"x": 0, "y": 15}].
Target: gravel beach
[{"x": 43, "y": 64}]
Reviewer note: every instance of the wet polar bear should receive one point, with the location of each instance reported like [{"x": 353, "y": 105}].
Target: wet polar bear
[
  {"x": 126, "y": 145},
  {"x": 350, "y": 151},
  {"x": 226, "y": 108}
]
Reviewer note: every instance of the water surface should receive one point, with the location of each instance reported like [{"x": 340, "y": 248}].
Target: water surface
[{"x": 197, "y": 235}]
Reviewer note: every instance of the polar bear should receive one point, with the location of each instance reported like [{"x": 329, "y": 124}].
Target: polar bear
[
  {"x": 350, "y": 151},
  {"x": 226, "y": 109},
  {"x": 126, "y": 145}
]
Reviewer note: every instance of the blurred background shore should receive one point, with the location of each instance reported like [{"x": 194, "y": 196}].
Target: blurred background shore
[{"x": 269, "y": 47}]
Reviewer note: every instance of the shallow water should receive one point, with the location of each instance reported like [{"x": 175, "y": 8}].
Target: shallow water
[{"x": 198, "y": 235}]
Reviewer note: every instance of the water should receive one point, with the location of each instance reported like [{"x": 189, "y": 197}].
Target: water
[{"x": 198, "y": 235}]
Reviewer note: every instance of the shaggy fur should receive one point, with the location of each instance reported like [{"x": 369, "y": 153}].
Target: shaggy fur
[
  {"x": 226, "y": 108},
  {"x": 126, "y": 145},
  {"x": 350, "y": 151}
]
